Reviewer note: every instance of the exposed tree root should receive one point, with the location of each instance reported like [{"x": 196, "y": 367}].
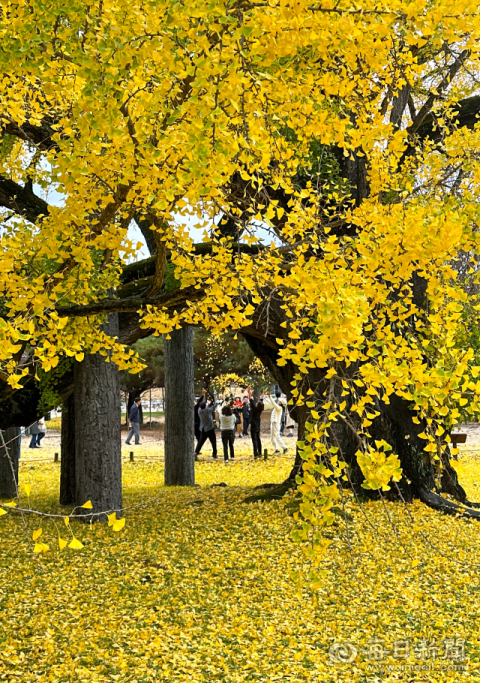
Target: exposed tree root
[
  {"x": 452, "y": 486},
  {"x": 437, "y": 502},
  {"x": 433, "y": 500},
  {"x": 274, "y": 493}
]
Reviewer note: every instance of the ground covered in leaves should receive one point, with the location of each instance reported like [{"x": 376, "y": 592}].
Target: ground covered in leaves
[{"x": 197, "y": 587}]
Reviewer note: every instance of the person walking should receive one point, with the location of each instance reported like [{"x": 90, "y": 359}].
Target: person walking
[
  {"x": 196, "y": 418},
  {"x": 197, "y": 423},
  {"x": 275, "y": 420},
  {"x": 42, "y": 430},
  {"x": 227, "y": 428},
  {"x": 206, "y": 412},
  {"x": 135, "y": 419},
  {"x": 245, "y": 415},
  {"x": 34, "y": 431},
  {"x": 256, "y": 410}
]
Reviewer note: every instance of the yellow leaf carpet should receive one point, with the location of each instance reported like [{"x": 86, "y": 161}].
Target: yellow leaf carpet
[{"x": 197, "y": 586}]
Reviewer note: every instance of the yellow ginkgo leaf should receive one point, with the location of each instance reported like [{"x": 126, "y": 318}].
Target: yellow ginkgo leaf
[
  {"x": 12, "y": 504},
  {"x": 62, "y": 543},
  {"x": 36, "y": 534},
  {"x": 119, "y": 524},
  {"x": 75, "y": 544},
  {"x": 112, "y": 518},
  {"x": 66, "y": 520},
  {"x": 88, "y": 505},
  {"x": 2, "y": 512},
  {"x": 40, "y": 548},
  {"x": 27, "y": 489}
]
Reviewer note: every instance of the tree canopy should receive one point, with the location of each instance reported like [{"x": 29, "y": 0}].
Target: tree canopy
[{"x": 347, "y": 130}]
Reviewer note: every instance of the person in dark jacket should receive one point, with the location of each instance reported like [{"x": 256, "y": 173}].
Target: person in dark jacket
[
  {"x": 245, "y": 415},
  {"x": 196, "y": 417},
  {"x": 206, "y": 413},
  {"x": 135, "y": 419},
  {"x": 256, "y": 410},
  {"x": 35, "y": 432},
  {"x": 237, "y": 411}
]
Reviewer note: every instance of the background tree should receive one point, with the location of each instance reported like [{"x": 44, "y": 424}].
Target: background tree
[
  {"x": 151, "y": 352},
  {"x": 214, "y": 356},
  {"x": 179, "y": 400},
  {"x": 9, "y": 455},
  {"x": 217, "y": 355},
  {"x": 98, "y": 450}
]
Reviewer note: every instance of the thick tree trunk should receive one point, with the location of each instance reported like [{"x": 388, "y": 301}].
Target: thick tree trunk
[
  {"x": 9, "y": 462},
  {"x": 283, "y": 376},
  {"x": 67, "y": 448},
  {"x": 179, "y": 400},
  {"x": 395, "y": 425},
  {"x": 98, "y": 452}
]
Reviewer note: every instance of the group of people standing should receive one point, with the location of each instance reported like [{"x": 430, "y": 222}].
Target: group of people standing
[{"x": 233, "y": 414}]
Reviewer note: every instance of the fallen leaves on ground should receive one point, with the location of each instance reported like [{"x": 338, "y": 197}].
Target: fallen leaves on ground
[{"x": 196, "y": 586}]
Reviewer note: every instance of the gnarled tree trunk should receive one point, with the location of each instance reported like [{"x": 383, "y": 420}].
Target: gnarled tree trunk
[
  {"x": 9, "y": 462},
  {"x": 394, "y": 424},
  {"x": 67, "y": 453},
  {"x": 179, "y": 417},
  {"x": 98, "y": 451}
]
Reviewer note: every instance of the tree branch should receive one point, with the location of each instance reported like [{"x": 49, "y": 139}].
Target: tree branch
[
  {"x": 466, "y": 113},
  {"x": 425, "y": 110},
  {"x": 40, "y": 135},
  {"x": 145, "y": 228},
  {"x": 173, "y": 299},
  {"x": 22, "y": 200}
]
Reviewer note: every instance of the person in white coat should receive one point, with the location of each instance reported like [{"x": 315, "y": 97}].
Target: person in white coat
[{"x": 275, "y": 421}]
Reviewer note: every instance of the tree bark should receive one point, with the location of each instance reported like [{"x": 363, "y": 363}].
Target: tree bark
[
  {"x": 9, "y": 463},
  {"x": 67, "y": 453},
  {"x": 179, "y": 400},
  {"x": 394, "y": 424},
  {"x": 283, "y": 376},
  {"x": 98, "y": 452}
]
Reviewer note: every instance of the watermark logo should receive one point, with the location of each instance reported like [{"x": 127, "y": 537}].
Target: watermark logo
[
  {"x": 343, "y": 653},
  {"x": 427, "y": 655}
]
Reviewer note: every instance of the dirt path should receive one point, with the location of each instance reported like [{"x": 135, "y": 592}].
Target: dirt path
[{"x": 155, "y": 434}]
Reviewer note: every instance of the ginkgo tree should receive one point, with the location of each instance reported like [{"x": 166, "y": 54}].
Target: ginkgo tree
[{"x": 348, "y": 130}]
